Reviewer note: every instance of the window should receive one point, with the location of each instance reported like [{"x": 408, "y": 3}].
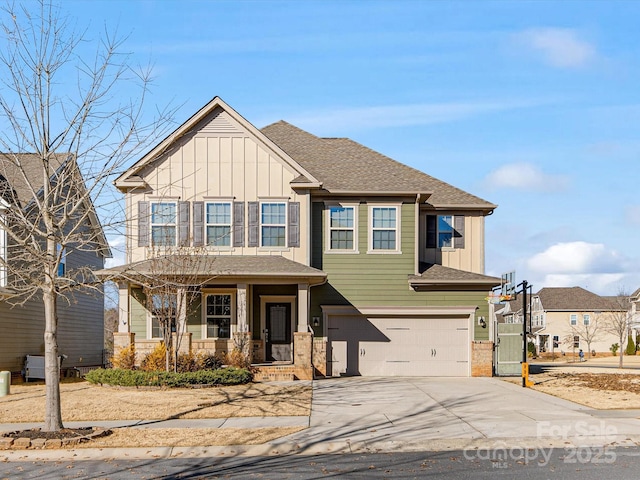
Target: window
[
  {"x": 556, "y": 341},
  {"x": 62, "y": 266},
  {"x": 342, "y": 228},
  {"x": 163, "y": 224},
  {"x": 218, "y": 224},
  {"x": 273, "y": 224},
  {"x": 586, "y": 319},
  {"x": 574, "y": 319},
  {"x": 218, "y": 313},
  {"x": 163, "y": 313},
  {"x": 576, "y": 341},
  {"x": 445, "y": 231},
  {"x": 384, "y": 229}
]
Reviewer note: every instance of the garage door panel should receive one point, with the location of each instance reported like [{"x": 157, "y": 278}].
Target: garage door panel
[{"x": 411, "y": 346}]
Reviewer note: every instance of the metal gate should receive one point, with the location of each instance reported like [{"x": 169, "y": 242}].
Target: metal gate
[{"x": 508, "y": 353}]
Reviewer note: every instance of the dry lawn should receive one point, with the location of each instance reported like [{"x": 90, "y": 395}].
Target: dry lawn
[
  {"x": 603, "y": 389},
  {"x": 82, "y": 401}
]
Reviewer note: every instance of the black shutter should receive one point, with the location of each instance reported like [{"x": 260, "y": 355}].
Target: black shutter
[
  {"x": 238, "y": 224},
  {"x": 432, "y": 222},
  {"x": 143, "y": 224},
  {"x": 183, "y": 224},
  {"x": 458, "y": 234},
  {"x": 294, "y": 224},
  {"x": 198, "y": 224},
  {"x": 254, "y": 223}
]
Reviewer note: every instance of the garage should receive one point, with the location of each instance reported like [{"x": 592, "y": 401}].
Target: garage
[{"x": 398, "y": 346}]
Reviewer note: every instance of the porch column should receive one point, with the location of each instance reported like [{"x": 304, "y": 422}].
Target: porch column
[
  {"x": 303, "y": 307},
  {"x": 241, "y": 308},
  {"x": 123, "y": 308},
  {"x": 181, "y": 314}
]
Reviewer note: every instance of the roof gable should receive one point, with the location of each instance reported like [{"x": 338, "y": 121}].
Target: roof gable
[{"x": 215, "y": 117}]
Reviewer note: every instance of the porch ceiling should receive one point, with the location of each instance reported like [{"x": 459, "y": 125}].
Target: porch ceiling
[{"x": 223, "y": 267}]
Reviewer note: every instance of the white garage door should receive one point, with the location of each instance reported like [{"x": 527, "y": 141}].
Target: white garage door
[{"x": 412, "y": 346}]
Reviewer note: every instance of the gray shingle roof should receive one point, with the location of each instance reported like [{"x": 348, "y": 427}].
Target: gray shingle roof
[
  {"x": 216, "y": 266},
  {"x": 438, "y": 274},
  {"x": 575, "y": 299},
  {"x": 346, "y": 166},
  {"x": 31, "y": 168}
]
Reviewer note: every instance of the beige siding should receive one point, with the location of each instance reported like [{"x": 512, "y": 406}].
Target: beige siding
[
  {"x": 219, "y": 159},
  {"x": 470, "y": 258},
  {"x": 558, "y": 323}
]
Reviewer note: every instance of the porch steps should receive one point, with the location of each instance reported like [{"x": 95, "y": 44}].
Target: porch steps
[{"x": 281, "y": 373}]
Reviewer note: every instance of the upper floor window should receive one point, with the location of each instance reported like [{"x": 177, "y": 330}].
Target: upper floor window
[
  {"x": 445, "y": 231},
  {"x": 342, "y": 227},
  {"x": 586, "y": 319},
  {"x": 163, "y": 224},
  {"x": 383, "y": 234},
  {"x": 218, "y": 315},
  {"x": 273, "y": 224},
  {"x": 218, "y": 224},
  {"x": 573, "y": 319}
]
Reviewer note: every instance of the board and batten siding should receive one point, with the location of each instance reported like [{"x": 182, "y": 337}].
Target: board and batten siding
[
  {"x": 80, "y": 325},
  {"x": 469, "y": 258},
  {"x": 218, "y": 159}
]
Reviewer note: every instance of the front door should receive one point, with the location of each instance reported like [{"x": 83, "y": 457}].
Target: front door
[{"x": 278, "y": 332}]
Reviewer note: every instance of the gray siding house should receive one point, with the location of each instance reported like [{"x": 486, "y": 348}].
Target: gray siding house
[{"x": 80, "y": 313}]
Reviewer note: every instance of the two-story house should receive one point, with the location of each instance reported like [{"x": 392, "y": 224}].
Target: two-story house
[
  {"x": 324, "y": 252},
  {"x": 566, "y": 319},
  {"x": 80, "y": 332}
]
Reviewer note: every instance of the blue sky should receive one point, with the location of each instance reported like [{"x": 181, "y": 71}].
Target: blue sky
[{"x": 534, "y": 106}]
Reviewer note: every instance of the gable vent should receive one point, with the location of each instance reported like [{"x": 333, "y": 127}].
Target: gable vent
[{"x": 220, "y": 123}]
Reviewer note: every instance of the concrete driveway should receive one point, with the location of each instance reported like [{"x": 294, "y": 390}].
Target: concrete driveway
[{"x": 412, "y": 414}]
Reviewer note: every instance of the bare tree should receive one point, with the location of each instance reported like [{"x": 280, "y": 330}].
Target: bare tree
[
  {"x": 616, "y": 321},
  {"x": 67, "y": 123},
  {"x": 589, "y": 332}
]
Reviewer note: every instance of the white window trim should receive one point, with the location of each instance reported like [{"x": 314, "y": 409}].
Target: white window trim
[
  {"x": 286, "y": 225},
  {"x": 206, "y": 234},
  {"x": 453, "y": 221},
  {"x": 150, "y": 326},
  {"x": 233, "y": 325},
  {"x": 586, "y": 319},
  {"x": 398, "y": 208},
  {"x": 328, "y": 248},
  {"x": 573, "y": 319},
  {"x": 151, "y": 224}
]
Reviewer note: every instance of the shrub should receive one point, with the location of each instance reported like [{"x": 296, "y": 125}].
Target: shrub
[
  {"x": 125, "y": 358},
  {"x": 155, "y": 360},
  {"x": 614, "y": 349},
  {"x": 187, "y": 362},
  {"x": 236, "y": 358},
  {"x": 631, "y": 346},
  {"x": 207, "y": 361},
  {"x": 138, "y": 378}
]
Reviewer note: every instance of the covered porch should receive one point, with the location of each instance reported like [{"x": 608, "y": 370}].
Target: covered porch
[{"x": 258, "y": 305}]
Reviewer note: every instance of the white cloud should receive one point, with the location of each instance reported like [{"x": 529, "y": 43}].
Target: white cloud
[
  {"x": 559, "y": 47},
  {"x": 524, "y": 176},
  {"x": 576, "y": 258}
]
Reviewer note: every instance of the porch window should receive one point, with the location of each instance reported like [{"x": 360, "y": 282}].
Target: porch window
[
  {"x": 573, "y": 319},
  {"x": 342, "y": 228},
  {"x": 163, "y": 312},
  {"x": 384, "y": 229},
  {"x": 219, "y": 311},
  {"x": 218, "y": 220},
  {"x": 273, "y": 224},
  {"x": 163, "y": 224}
]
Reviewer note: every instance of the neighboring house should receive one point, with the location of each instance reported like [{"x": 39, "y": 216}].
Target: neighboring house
[
  {"x": 324, "y": 252},
  {"x": 567, "y": 319},
  {"x": 80, "y": 321}
]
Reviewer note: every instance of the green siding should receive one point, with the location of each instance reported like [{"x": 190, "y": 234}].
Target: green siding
[
  {"x": 194, "y": 318},
  {"x": 367, "y": 279},
  {"x": 138, "y": 313}
]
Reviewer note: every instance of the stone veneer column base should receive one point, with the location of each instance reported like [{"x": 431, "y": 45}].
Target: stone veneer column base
[{"x": 482, "y": 359}]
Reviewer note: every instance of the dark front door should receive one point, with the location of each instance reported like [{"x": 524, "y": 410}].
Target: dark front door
[{"x": 278, "y": 334}]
